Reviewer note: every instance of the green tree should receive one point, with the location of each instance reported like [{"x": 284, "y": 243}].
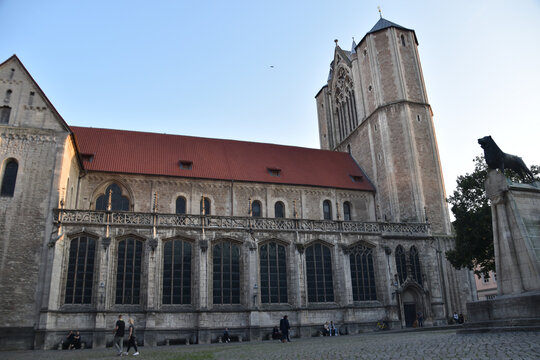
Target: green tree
[{"x": 471, "y": 209}]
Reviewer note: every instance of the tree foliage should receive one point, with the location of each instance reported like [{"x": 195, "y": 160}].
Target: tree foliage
[{"x": 474, "y": 234}]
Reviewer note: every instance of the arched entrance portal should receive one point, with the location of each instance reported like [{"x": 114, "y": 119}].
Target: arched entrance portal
[{"x": 412, "y": 304}]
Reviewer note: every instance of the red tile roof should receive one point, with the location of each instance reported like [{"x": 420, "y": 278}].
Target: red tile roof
[{"x": 132, "y": 152}]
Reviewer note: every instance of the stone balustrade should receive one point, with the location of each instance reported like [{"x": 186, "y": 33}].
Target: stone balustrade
[{"x": 211, "y": 222}]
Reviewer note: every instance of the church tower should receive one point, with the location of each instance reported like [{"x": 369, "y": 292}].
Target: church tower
[{"x": 375, "y": 107}]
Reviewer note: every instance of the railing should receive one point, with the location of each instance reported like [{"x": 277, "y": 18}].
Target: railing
[{"x": 124, "y": 218}]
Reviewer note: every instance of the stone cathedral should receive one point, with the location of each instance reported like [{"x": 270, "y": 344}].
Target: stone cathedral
[{"x": 190, "y": 235}]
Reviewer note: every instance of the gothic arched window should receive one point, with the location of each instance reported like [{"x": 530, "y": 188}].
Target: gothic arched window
[
  {"x": 205, "y": 205},
  {"x": 226, "y": 273},
  {"x": 118, "y": 202},
  {"x": 401, "y": 264},
  {"x": 319, "y": 273},
  {"x": 327, "y": 210},
  {"x": 80, "y": 271},
  {"x": 177, "y": 272},
  {"x": 347, "y": 211},
  {"x": 362, "y": 273},
  {"x": 256, "y": 208},
  {"x": 415, "y": 265},
  {"x": 10, "y": 178},
  {"x": 273, "y": 271},
  {"x": 180, "y": 205},
  {"x": 128, "y": 271},
  {"x": 279, "y": 210}
]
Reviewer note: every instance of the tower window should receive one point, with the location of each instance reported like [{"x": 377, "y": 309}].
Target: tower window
[
  {"x": 31, "y": 98},
  {"x": 5, "y": 111},
  {"x": 7, "y": 98},
  {"x": 403, "y": 40},
  {"x": 418, "y": 118},
  {"x": 370, "y": 88},
  {"x": 9, "y": 178},
  {"x": 349, "y": 148},
  {"x": 11, "y": 74}
]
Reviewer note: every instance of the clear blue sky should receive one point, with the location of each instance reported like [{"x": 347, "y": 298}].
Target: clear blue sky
[{"x": 203, "y": 68}]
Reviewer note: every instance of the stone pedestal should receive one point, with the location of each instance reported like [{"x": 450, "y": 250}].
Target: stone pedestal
[{"x": 515, "y": 210}]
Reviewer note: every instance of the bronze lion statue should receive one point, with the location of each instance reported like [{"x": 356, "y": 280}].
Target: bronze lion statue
[{"x": 497, "y": 159}]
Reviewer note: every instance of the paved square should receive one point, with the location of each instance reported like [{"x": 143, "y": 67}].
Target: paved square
[{"x": 444, "y": 344}]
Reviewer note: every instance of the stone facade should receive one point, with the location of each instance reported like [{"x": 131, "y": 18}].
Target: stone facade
[{"x": 65, "y": 264}]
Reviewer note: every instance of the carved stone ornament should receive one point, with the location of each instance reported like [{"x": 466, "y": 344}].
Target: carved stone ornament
[
  {"x": 153, "y": 243},
  {"x": 106, "y": 241},
  {"x": 300, "y": 247},
  {"x": 204, "y": 245},
  {"x": 345, "y": 248}
]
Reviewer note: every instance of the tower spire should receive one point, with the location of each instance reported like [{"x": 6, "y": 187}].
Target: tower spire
[{"x": 380, "y": 12}]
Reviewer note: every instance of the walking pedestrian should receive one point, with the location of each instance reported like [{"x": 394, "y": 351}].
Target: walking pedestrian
[
  {"x": 132, "y": 338},
  {"x": 284, "y": 327},
  {"x": 119, "y": 335}
]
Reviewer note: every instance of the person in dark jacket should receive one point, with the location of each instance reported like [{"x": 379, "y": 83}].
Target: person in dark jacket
[
  {"x": 132, "y": 339},
  {"x": 284, "y": 327}
]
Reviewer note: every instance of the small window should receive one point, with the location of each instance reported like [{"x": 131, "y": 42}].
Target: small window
[
  {"x": 349, "y": 148},
  {"x": 357, "y": 178},
  {"x": 418, "y": 118},
  {"x": 279, "y": 210},
  {"x": 5, "y": 112},
  {"x": 185, "y": 164},
  {"x": 11, "y": 74},
  {"x": 370, "y": 88},
  {"x": 403, "y": 40},
  {"x": 87, "y": 157},
  {"x": 365, "y": 52},
  {"x": 274, "y": 172},
  {"x": 256, "y": 208},
  {"x": 8, "y": 96},
  {"x": 347, "y": 211},
  {"x": 327, "y": 210},
  {"x": 31, "y": 98},
  {"x": 9, "y": 178},
  {"x": 180, "y": 205},
  {"x": 205, "y": 206}
]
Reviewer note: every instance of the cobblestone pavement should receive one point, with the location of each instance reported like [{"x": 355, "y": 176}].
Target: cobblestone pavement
[{"x": 381, "y": 345}]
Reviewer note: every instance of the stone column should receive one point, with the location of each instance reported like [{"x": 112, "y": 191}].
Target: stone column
[{"x": 99, "y": 338}]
